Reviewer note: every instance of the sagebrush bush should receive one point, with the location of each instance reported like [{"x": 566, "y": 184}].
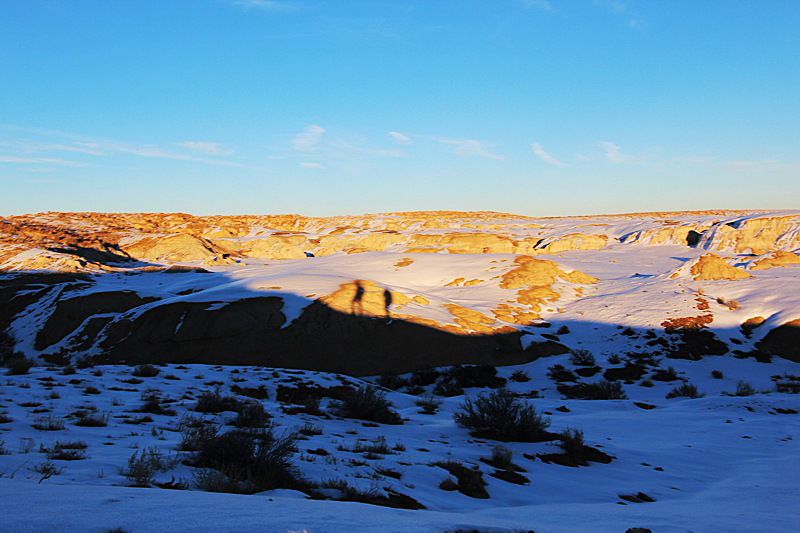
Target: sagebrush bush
[
  {"x": 502, "y": 457},
  {"x": 572, "y": 442},
  {"x": 252, "y": 460},
  {"x": 142, "y": 470},
  {"x": 599, "y": 390},
  {"x": 19, "y": 365},
  {"x": 686, "y": 390},
  {"x": 48, "y": 423},
  {"x": 558, "y": 374},
  {"x": 145, "y": 371},
  {"x": 499, "y": 415},
  {"x": 251, "y": 415},
  {"x": 743, "y": 388},
  {"x": 153, "y": 399},
  {"x": 581, "y": 358},
  {"x": 215, "y": 402},
  {"x": 94, "y": 420},
  {"x": 470, "y": 480},
  {"x": 367, "y": 403},
  {"x": 195, "y": 432},
  {"x": 669, "y": 374},
  {"x": 520, "y": 376}
]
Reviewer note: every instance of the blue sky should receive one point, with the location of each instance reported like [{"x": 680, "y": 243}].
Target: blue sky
[{"x": 537, "y": 107}]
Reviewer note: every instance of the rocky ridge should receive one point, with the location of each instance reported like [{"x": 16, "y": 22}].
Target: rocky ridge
[{"x": 415, "y": 289}]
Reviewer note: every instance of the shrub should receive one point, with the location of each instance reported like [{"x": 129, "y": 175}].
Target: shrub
[
  {"x": 367, "y": 403},
  {"x": 48, "y": 423},
  {"x": 614, "y": 359},
  {"x": 558, "y": 374},
  {"x": 581, "y": 358},
  {"x": 469, "y": 376},
  {"x": 670, "y": 374},
  {"x": 686, "y": 390},
  {"x": 572, "y": 442},
  {"x": 599, "y": 390},
  {"x": 252, "y": 460},
  {"x": 145, "y": 371},
  {"x": 93, "y": 420},
  {"x": 195, "y": 432},
  {"x": 502, "y": 457},
  {"x": 520, "y": 376},
  {"x": 68, "y": 370},
  {"x": 68, "y": 451},
  {"x": 743, "y": 388},
  {"x": 429, "y": 404},
  {"x": 18, "y": 366},
  {"x": 7, "y": 352},
  {"x": 142, "y": 470},
  {"x": 499, "y": 415},
  {"x": 251, "y": 415},
  {"x": 215, "y": 402},
  {"x": 716, "y": 374},
  {"x": 152, "y": 403},
  {"x": 470, "y": 480},
  {"x": 46, "y": 469},
  {"x": 260, "y": 393},
  {"x": 448, "y": 484}
]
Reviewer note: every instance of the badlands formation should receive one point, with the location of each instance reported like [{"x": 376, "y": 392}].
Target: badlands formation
[{"x": 398, "y": 292}]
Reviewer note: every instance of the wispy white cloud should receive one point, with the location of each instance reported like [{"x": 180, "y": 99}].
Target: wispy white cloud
[
  {"x": 274, "y": 6},
  {"x": 101, "y": 147},
  {"x": 470, "y": 148},
  {"x": 205, "y": 148},
  {"x": 344, "y": 145},
  {"x": 53, "y": 161},
  {"x": 547, "y": 158},
  {"x": 544, "y": 5},
  {"x": 612, "y": 152},
  {"x": 399, "y": 137},
  {"x": 307, "y": 141},
  {"x": 31, "y": 147},
  {"x": 311, "y": 165}
]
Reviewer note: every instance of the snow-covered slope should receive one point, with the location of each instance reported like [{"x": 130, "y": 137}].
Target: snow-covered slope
[{"x": 717, "y": 463}]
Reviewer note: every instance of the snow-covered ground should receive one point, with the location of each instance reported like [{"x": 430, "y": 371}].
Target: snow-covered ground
[{"x": 717, "y": 463}]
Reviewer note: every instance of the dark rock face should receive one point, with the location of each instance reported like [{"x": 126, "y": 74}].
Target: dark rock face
[
  {"x": 249, "y": 331},
  {"x": 71, "y": 312},
  {"x": 783, "y": 341}
]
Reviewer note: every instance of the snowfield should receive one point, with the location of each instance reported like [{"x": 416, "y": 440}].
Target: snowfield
[{"x": 717, "y": 463}]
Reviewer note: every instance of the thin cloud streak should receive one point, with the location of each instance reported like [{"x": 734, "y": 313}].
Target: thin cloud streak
[
  {"x": 470, "y": 148},
  {"x": 399, "y": 137},
  {"x": 205, "y": 148},
  {"x": 547, "y": 158},
  {"x": 612, "y": 152},
  {"x": 54, "y": 161},
  {"x": 308, "y": 140}
]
